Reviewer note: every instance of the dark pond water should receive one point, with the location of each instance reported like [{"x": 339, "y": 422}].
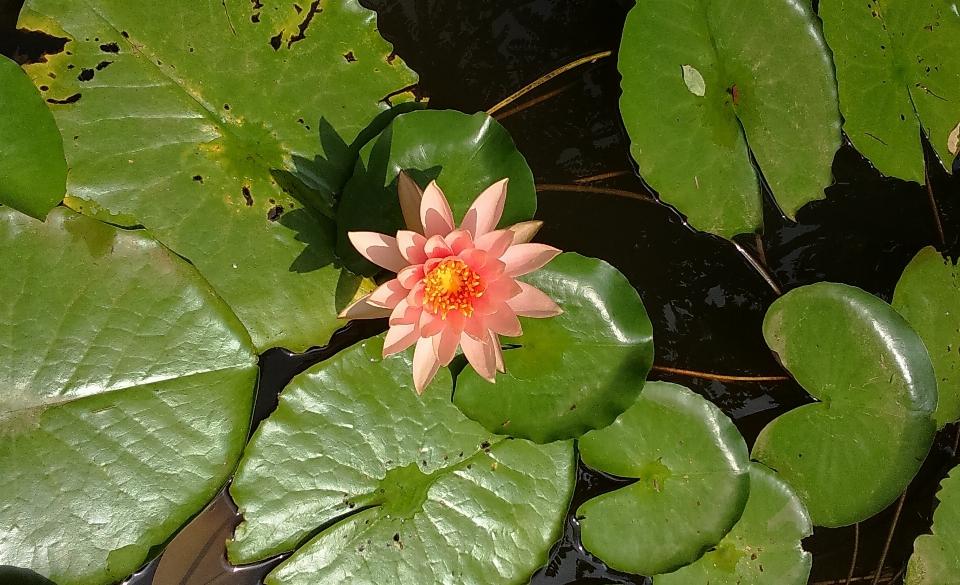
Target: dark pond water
[{"x": 706, "y": 296}]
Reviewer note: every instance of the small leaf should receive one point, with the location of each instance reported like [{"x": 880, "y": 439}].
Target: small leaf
[
  {"x": 694, "y": 80},
  {"x": 126, "y": 386},
  {"x": 692, "y": 470},
  {"x": 763, "y": 548},
  {"x": 767, "y": 87},
  {"x": 936, "y": 557},
  {"x": 32, "y": 166},
  {"x": 571, "y": 373},
  {"x": 876, "y": 389},
  {"x": 465, "y": 154},
  {"x": 928, "y": 297},
  {"x": 897, "y": 73},
  {"x": 360, "y": 476}
]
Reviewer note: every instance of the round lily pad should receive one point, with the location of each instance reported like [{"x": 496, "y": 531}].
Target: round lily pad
[
  {"x": 226, "y": 129},
  {"x": 936, "y": 557},
  {"x": 464, "y": 153},
  {"x": 126, "y": 386},
  {"x": 763, "y": 548},
  {"x": 572, "y": 373},
  {"x": 692, "y": 484},
  {"x": 707, "y": 83},
  {"x": 358, "y": 475},
  {"x": 928, "y": 297},
  {"x": 32, "y": 165},
  {"x": 849, "y": 455}
]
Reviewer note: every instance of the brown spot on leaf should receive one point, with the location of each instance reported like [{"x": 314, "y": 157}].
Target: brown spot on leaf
[
  {"x": 124, "y": 34},
  {"x": 274, "y": 213},
  {"x": 110, "y": 48},
  {"x": 69, "y": 100},
  {"x": 391, "y": 57},
  {"x": 247, "y": 195},
  {"x": 44, "y": 88}
]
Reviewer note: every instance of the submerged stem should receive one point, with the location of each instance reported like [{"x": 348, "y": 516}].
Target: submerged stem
[
  {"x": 719, "y": 377},
  {"x": 532, "y": 86},
  {"x": 601, "y": 190},
  {"x": 886, "y": 546}
]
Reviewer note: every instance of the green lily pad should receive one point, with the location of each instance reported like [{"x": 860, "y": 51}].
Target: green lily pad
[
  {"x": 928, "y": 297},
  {"x": 571, "y": 373},
  {"x": 851, "y": 454},
  {"x": 766, "y": 82},
  {"x": 32, "y": 165},
  {"x": 360, "y": 476},
  {"x": 936, "y": 557},
  {"x": 187, "y": 120},
  {"x": 897, "y": 72},
  {"x": 465, "y": 154},
  {"x": 763, "y": 548},
  {"x": 692, "y": 469},
  {"x": 126, "y": 387}
]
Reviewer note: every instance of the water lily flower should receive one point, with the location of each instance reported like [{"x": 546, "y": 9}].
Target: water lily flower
[{"x": 455, "y": 287}]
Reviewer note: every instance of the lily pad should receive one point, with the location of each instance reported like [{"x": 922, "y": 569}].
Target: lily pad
[
  {"x": 767, "y": 85},
  {"x": 851, "y": 454},
  {"x": 126, "y": 387},
  {"x": 928, "y": 297},
  {"x": 32, "y": 165},
  {"x": 897, "y": 72},
  {"x": 571, "y": 373},
  {"x": 936, "y": 557},
  {"x": 692, "y": 484},
  {"x": 465, "y": 154},
  {"x": 763, "y": 548},
  {"x": 359, "y": 476},
  {"x": 187, "y": 120}
]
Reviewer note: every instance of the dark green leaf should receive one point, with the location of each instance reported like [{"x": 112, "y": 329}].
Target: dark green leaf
[
  {"x": 571, "y": 373},
  {"x": 691, "y": 464},
  {"x": 851, "y": 454},
  {"x": 125, "y": 393}
]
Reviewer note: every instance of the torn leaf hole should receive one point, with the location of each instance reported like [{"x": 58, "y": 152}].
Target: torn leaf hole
[
  {"x": 257, "y": 5},
  {"x": 85, "y": 75},
  {"x": 70, "y": 100},
  {"x": 103, "y": 65},
  {"x": 391, "y": 57},
  {"x": 124, "y": 34},
  {"x": 414, "y": 90},
  {"x": 110, "y": 48},
  {"x": 297, "y": 8},
  {"x": 198, "y": 178},
  {"x": 33, "y": 46},
  {"x": 302, "y": 27},
  {"x": 44, "y": 87},
  {"x": 247, "y": 196},
  {"x": 226, "y": 106},
  {"x": 275, "y": 41},
  {"x": 255, "y": 18},
  {"x": 274, "y": 213},
  {"x": 349, "y": 56}
]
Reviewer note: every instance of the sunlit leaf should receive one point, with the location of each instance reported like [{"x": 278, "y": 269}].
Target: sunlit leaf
[
  {"x": 898, "y": 70},
  {"x": 763, "y": 548},
  {"x": 362, "y": 477},
  {"x": 186, "y": 119},
  {"x": 928, "y": 297},
  {"x": 125, "y": 393},
  {"x": 852, "y": 453},
  {"x": 465, "y": 154},
  {"x": 692, "y": 469},
  {"x": 32, "y": 167},
  {"x": 936, "y": 557},
  {"x": 571, "y": 373},
  {"x": 766, "y": 84}
]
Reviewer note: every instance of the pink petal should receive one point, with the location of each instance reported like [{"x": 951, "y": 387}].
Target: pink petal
[
  {"x": 388, "y": 294},
  {"x": 415, "y": 298},
  {"x": 486, "y": 209},
  {"x": 410, "y": 195},
  {"x": 475, "y": 326},
  {"x": 504, "y": 322},
  {"x": 495, "y": 295},
  {"x": 431, "y": 324},
  {"x": 380, "y": 249},
  {"x": 495, "y": 342},
  {"x": 435, "y": 213},
  {"x": 481, "y": 356},
  {"x": 425, "y": 364},
  {"x": 524, "y": 231},
  {"x": 430, "y": 264},
  {"x": 410, "y": 276},
  {"x": 411, "y": 246},
  {"x": 436, "y": 247},
  {"x": 474, "y": 258},
  {"x": 458, "y": 241},
  {"x": 492, "y": 270},
  {"x": 495, "y": 243},
  {"x": 404, "y": 314},
  {"x": 445, "y": 346},
  {"x": 455, "y": 321},
  {"x": 525, "y": 258},
  {"x": 399, "y": 338},
  {"x": 360, "y": 309},
  {"x": 533, "y": 302}
]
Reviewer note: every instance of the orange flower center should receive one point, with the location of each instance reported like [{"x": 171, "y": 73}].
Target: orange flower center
[{"x": 452, "y": 286}]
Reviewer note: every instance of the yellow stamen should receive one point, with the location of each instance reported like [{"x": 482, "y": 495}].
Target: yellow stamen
[{"x": 452, "y": 286}]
